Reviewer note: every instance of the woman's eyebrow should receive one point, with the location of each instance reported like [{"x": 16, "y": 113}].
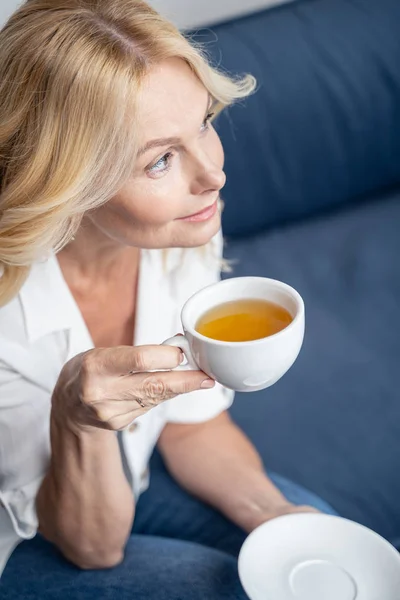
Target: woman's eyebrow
[
  {"x": 169, "y": 141},
  {"x": 159, "y": 142}
]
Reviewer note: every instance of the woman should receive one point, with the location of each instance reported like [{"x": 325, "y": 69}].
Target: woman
[{"x": 109, "y": 166}]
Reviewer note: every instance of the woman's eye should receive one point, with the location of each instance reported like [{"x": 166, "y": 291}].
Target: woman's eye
[
  {"x": 206, "y": 121},
  {"x": 162, "y": 165}
]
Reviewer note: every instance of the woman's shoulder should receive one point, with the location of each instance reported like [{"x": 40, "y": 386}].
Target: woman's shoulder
[
  {"x": 33, "y": 327},
  {"x": 38, "y": 309},
  {"x": 12, "y": 322}
]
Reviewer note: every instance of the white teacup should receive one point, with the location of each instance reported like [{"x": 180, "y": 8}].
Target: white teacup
[{"x": 242, "y": 366}]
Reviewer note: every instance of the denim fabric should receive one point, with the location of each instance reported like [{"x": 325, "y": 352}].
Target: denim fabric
[
  {"x": 180, "y": 549},
  {"x": 196, "y": 522},
  {"x": 322, "y": 130}
]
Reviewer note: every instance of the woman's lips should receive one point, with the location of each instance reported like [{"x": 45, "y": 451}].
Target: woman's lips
[{"x": 203, "y": 215}]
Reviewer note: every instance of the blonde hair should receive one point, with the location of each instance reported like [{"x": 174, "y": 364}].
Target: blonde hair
[{"x": 70, "y": 77}]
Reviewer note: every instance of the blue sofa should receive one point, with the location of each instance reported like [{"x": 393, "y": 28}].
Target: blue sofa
[{"x": 313, "y": 198}]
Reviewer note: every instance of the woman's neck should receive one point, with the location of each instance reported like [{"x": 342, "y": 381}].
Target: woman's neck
[{"x": 93, "y": 259}]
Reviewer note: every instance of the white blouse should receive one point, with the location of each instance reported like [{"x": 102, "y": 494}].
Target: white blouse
[{"x": 40, "y": 330}]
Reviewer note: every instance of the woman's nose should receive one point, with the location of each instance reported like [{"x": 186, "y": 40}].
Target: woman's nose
[{"x": 209, "y": 178}]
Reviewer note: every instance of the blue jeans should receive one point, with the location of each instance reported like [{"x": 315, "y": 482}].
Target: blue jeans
[{"x": 179, "y": 549}]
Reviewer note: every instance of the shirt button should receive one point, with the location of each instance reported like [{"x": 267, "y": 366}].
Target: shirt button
[{"x": 132, "y": 428}]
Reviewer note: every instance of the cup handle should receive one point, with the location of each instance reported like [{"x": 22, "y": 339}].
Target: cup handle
[{"x": 180, "y": 341}]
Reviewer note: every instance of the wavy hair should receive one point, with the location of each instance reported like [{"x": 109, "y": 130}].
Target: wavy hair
[{"x": 70, "y": 78}]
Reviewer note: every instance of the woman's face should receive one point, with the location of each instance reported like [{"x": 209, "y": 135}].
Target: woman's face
[{"x": 179, "y": 171}]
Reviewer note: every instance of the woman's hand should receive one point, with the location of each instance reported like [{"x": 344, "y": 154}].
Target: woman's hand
[
  {"x": 285, "y": 509},
  {"x": 109, "y": 388}
]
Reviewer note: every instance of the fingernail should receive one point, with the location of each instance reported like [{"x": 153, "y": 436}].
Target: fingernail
[
  {"x": 181, "y": 358},
  {"x": 208, "y": 383}
]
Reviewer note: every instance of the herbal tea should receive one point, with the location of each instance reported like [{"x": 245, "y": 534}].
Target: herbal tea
[{"x": 243, "y": 320}]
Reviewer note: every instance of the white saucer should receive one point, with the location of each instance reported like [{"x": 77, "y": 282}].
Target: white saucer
[{"x": 309, "y": 556}]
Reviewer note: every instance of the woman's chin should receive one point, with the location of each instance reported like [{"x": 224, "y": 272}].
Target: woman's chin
[{"x": 199, "y": 234}]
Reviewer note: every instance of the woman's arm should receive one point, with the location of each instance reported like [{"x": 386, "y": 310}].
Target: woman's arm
[
  {"x": 85, "y": 505},
  {"x": 217, "y": 463}
]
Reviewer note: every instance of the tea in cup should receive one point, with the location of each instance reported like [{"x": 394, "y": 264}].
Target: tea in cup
[{"x": 244, "y": 332}]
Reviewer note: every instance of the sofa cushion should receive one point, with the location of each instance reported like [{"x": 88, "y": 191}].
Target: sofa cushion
[
  {"x": 323, "y": 128},
  {"x": 332, "y": 423},
  {"x": 199, "y": 14}
]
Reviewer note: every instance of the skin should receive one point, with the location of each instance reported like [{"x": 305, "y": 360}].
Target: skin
[{"x": 85, "y": 505}]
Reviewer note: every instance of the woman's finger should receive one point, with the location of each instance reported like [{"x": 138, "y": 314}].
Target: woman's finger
[
  {"x": 153, "y": 388},
  {"x": 125, "y": 360},
  {"x": 147, "y": 389},
  {"x": 115, "y": 405}
]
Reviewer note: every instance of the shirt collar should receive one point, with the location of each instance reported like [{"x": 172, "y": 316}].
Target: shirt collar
[{"x": 47, "y": 303}]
